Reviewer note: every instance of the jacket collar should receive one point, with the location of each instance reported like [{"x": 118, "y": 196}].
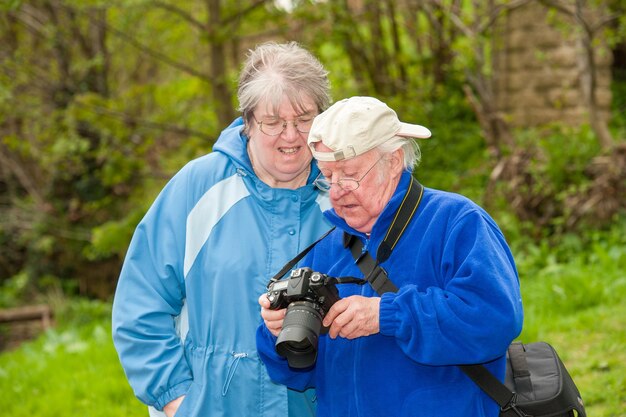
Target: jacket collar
[{"x": 232, "y": 142}]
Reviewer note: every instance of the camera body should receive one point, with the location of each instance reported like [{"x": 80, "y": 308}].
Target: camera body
[
  {"x": 304, "y": 285},
  {"x": 308, "y": 296}
]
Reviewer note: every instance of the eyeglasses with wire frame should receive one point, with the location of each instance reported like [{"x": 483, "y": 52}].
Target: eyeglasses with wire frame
[
  {"x": 346, "y": 184},
  {"x": 276, "y": 126}
]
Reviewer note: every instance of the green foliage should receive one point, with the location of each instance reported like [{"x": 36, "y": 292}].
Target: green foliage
[
  {"x": 564, "y": 153},
  {"x": 73, "y": 366},
  {"x": 455, "y": 157},
  {"x": 594, "y": 277},
  {"x": 92, "y": 141},
  {"x": 618, "y": 122},
  {"x": 77, "y": 313},
  {"x": 342, "y": 83},
  {"x": 96, "y": 126},
  {"x": 8, "y": 5},
  {"x": 13, "y": 289},
  {"x": 113, "y": 237},
  {"x": 558, "y": 181}
]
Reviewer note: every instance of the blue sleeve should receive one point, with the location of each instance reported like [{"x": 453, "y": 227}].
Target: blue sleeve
[
  {"x": 474, "y": 311},
  {"x": 149, "y": 295},
  {"x": 277, "y": 367}
]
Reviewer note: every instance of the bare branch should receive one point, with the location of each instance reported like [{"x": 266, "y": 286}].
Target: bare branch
[
  {"x": 76, "y": 32},
  {"x": 147, "y": 50},
  {"x": 604, "y": 21},
  {"x": 157, "y": 55},
  {"x": 576, "y": 13},
  {"x": 33, "y": 16},
  {"x": 493, "y": 16},
  {"x": 126, "y": 118},
  {"x": 24, "y": 218},
  {"x": 509, "y": 6},
  {"x": 243, "y": 13},
  {"x": 180, "y": 12},
  {"x": 560, "y": 7},
  {"x": 462, "y": 27},
  {"x": 32, "y": 23},
  {"x": 22, "y": 176}
]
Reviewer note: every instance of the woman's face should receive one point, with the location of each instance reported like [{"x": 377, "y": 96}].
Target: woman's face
[
  {"x": 361, "y": 208},
  {"x": 281, "y": 160}
]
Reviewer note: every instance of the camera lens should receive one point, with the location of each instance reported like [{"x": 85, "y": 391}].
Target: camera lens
[{"x": 297, "y": 340}]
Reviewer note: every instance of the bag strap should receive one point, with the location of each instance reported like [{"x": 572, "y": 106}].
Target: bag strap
[
  {"x": 521, "y": 372},
  {"x": 490, "y": 384},
  {"x": 372, "y": 271}
]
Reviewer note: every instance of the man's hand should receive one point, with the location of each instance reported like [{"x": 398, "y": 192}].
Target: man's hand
[
  {"x": 273, "y": 318},
  {"x": 353, "y": 317}
]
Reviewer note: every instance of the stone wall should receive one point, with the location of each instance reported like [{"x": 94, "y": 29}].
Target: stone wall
[{"x": 537, "y": 69}]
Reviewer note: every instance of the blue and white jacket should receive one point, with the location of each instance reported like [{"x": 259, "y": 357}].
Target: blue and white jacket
[
  {"x": 458, "y": 303},
  {"x": 185, "y": 310}
]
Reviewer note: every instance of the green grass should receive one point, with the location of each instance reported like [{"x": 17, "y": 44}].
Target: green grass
[
  {"x": 574, "y": 298},
  {"x": 573, "y": 295},
  {"x": 592, "y": 344},
  {"x": 70, "y": 371}
]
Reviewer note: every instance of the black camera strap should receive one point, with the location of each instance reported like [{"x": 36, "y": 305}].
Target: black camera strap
[
  {"x": 372, "y": 271},
  {"x": 289, "y": 265},
  {"x": 378, "y": 277}
]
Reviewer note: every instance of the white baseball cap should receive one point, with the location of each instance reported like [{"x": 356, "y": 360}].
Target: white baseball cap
[{"x": 355, "y": 125}]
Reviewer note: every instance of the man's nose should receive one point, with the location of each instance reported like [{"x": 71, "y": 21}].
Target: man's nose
[{"x": 336, "y": 191}]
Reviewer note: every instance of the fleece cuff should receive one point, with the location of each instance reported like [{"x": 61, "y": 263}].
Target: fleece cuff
[{"x": 388, "y": 320}]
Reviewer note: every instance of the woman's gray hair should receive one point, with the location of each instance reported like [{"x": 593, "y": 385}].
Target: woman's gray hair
[
  {"x": 275, "y": 70},
  {"x": 412, "y": 153}
]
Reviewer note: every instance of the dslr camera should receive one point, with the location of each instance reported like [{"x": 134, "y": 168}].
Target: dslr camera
[{"x": 308, "y": 296}]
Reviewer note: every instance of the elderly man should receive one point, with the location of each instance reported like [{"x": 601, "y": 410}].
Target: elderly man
[{"x": 449, "y": 294}]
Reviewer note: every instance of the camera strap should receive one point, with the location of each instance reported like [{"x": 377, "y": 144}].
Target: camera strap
[
  {"x": 372, "y": 271},
  {"x": 289, "y": 265}
]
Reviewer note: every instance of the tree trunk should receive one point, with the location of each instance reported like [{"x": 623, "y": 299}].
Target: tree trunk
[{"x": 217, "y": 52}]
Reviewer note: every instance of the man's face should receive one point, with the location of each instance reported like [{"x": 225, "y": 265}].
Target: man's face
[{"x": 360, "y": 208}]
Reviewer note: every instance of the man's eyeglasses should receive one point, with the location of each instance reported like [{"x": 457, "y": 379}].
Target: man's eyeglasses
[
  {"x": 346, "y": 184},
  {"x": 274, "y": 127}
]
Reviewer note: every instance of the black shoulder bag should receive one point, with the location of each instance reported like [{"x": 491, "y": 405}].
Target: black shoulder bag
[{"x": 537, "y": 383}]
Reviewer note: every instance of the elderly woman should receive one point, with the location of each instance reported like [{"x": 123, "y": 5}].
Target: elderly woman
[
  {"x": 457, "y": 300},
  {"x": 185, "y": 309}
]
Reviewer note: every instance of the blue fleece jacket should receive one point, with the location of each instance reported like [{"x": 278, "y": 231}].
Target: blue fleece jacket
[{"x": 458, "y": 303}]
